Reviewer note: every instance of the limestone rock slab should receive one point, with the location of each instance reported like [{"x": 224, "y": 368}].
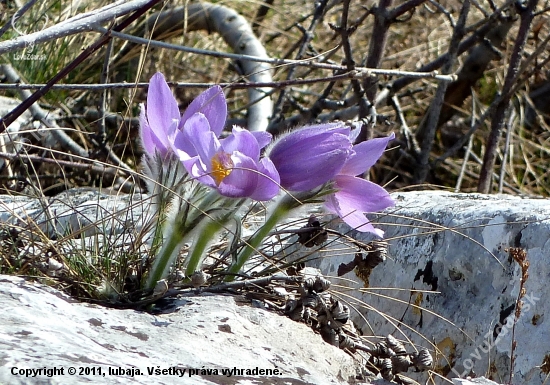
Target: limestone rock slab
[
  {"x": 451, "y": 249},
  {"x": 42, "y": 328}
]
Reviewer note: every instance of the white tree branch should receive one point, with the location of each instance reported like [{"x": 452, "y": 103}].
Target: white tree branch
[
  {"x": 76, "y": 24},
  {"x": 238, "y": 34}
]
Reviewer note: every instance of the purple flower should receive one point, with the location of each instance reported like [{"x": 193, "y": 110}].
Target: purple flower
[
  {"x": 311, "y": 156},
  {"x": 161, "y": 122},
  {"x": 356, "y": 196},
  {"x": 231, "y": 165}
]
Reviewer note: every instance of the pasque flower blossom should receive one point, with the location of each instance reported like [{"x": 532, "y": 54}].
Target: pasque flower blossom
[
  {"x": 161, "y": 121},
  {"x": 312, "y": 156},
  {"x": 231, "y": 165},
  {"x": 355, "y": 195}
]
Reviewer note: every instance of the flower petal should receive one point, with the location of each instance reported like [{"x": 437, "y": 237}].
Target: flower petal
[
  {"x": 149, "y": 138},
  {"x": 196, "y": 139},
  {"x": 197, "y": 169},
  {"x": 311, "y": 156},
  {"x": 162, "y": 107},
  {"x": 365, "y": 155},
  {"x": 268, "y": 182},
  {"x": 356, "y": 194},
  {"x": 302, "y": 135},
  {"x": 242, "y": 180},
  {"x": 145, "y": 133},
  {"x": 211, "y": 103},
  {"x": 263, "y": 138},
  {"x": 355, "y": 219},
  {"x": 243, "y": 141}
]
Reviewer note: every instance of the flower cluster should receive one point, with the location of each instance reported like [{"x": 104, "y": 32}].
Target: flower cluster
[
  {"x": 319, "y": 160},
  {"x": 231, "y": 165},
  {"x": 314, "y": 155}
]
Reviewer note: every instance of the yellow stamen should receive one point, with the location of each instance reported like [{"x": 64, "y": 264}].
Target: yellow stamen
[{"x": 222, "y": 166}]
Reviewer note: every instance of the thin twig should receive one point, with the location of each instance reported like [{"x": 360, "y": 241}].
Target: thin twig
[
  {"x": 95, "y": 167},
  {"x": 497, "y": 121},
  {"x": 277, "y": 62},
  {"x": 261, "y": 14},
  {"x": 412, "y": 144},
  {"x": 75, "y": 25},
  {"x": 401, "y": 9},
  {"x": 17, "y": 15},
  {"x": 479, "y": 34},
  {"x": 432, "y": 118},
  {"x": 237, "y": 34},
  {"x": 308, "y": 36},
  {"x": 468, "y": 148},
  {"x": 462, "y": 141},
  {"x": 377, "y": 46},
  {"x": 252, "y": 282},
  {"x": 101, "y": 136},
  {"x": 14, "y": 114},
  {"x": 509, "y": 127}
]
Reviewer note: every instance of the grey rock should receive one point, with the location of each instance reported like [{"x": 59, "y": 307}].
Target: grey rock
[
  {"x": 81, "y": 211},
  {"x": 42, "y": 328},
  {"x": 473, "y": 381},
  {"x": 451, "y": 248}
]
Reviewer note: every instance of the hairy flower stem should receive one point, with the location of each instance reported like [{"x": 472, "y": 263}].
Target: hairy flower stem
[
  {"x": 283, "y": 207},
  {"x": 207, "y": 233},
  {"x": 204, "y": 238},
  {"x": 166, "y": 256}
]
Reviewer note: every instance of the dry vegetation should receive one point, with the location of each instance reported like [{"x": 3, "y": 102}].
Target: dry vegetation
[{"x": 414, "y": 39}]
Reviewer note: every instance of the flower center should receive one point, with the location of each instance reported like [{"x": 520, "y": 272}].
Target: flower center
[{"x": 222, "y": 165}]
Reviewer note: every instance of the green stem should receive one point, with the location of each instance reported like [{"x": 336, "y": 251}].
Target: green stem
[
  {"x": 165, "y": 258},
  {"x": 203, "y": 239},
  {"x": 281, "y": 210}
]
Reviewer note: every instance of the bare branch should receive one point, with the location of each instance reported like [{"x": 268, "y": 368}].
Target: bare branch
[
  {"x": 308, "y": 36},
  {"x": 9, "y": 118},
  {"x": 432, "y": 117},
  {"x": 497, "y": 121},
  {"x": 76, "y": 24},
  {"x": 51, "y": 137},
  {"x": 237, "y": 33}
]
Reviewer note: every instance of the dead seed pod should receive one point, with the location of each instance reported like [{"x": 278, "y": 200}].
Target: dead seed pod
[
  {"x": 325, "y": 297},
  {"x": 321, "y": 284},
  {"x": 308, "y": 316},
  {"x": 199, "y": 278},
  {"x": 329, "y": 335},
  {"x": 312, "y": 234},
  {"x": 310, "y": 301},
  {"x": 308, "y": 283},
  {"x": 340, "y": 313},
  {"x": 394, "y": 345},
  {"x": 422, "y": 359},
  {"x": 378, "y": 252},
  {"x": 385, "y": 366},
  {"x": 345, "y": 342},
  {"x": 391, "y": 358},
  {"x": 401, "y": 363},
  {"x": 318, "y": 284},
  {"x": 382, "y": 349},
  {"x": 294, "y": 310},
  {"x": 367, "y": 258}
]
